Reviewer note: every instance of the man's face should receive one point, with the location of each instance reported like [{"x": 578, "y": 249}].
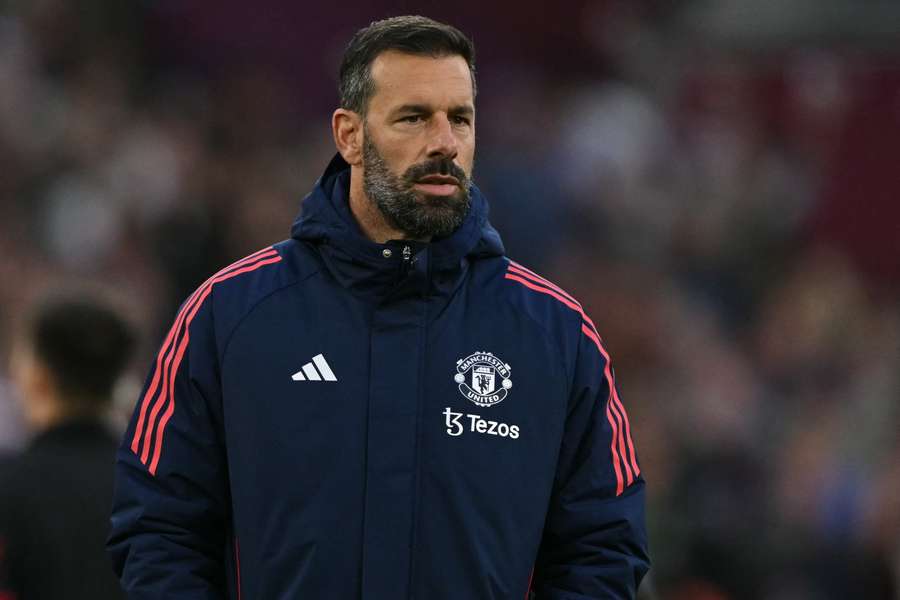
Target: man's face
[{"x": 419, "y": 142}]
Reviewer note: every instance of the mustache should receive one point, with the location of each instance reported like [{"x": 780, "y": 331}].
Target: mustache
[{"x": 441, "y": 166}]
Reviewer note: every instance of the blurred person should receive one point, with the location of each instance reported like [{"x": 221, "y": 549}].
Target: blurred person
[
  {"x": 55, "y": 497},
  {"x": 384, "y": 405}
]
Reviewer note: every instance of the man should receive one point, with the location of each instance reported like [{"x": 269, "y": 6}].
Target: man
[
  {"x": 55, "y": 498},
  {"x": 383, "y": 406}
]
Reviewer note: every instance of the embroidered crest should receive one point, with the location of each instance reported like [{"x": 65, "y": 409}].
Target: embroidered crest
[{"x": 483, "y": 378}]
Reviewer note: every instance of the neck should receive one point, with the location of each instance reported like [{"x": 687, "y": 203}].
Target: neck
[{"x": 50, "y": 414}]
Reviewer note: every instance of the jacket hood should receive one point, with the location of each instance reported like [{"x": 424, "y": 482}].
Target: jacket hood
[{"x": 325, "y": 218}]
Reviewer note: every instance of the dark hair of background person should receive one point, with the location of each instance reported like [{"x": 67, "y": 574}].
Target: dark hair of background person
[
  {"x": 84, "y": 343},
  {"x": 409, "y": 34}
]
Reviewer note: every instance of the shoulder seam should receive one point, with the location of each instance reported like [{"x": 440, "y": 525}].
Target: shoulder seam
[
  {"x": 615, "y": 410},
  {"x": 550, "y": 338},
  {"x": 171, "y": 353},
  {"x": 533, "y": 281},
  {"x": 547, "y": 335},
  {"x": 255, "y": 305}
]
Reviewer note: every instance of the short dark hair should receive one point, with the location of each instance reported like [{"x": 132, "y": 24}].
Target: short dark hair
[
  {"x": 410, "y": 34},
  {"x": 84, "y": 342}
]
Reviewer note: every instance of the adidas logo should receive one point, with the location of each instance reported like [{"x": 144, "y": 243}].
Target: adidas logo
[{"x": 309, "y": 373}]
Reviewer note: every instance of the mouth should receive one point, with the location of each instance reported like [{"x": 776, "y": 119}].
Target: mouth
[{"x": 438, "y": 185}]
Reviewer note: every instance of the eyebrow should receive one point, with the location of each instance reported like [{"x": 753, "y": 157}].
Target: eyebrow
[{"x": 462, "y": 109}]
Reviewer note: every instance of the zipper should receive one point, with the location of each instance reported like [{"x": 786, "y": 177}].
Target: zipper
[
  {"x": 420, "y": 434},
  {"x": 406, "y": 263}
]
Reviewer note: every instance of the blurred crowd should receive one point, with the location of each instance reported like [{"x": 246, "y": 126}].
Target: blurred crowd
[{"x": 726, "y": 213}]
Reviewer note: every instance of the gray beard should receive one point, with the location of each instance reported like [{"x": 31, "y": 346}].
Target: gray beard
[{"x": 419, "y": 216}]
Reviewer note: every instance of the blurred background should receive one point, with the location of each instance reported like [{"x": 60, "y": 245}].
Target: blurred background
[{"x": 717, "y": 181}]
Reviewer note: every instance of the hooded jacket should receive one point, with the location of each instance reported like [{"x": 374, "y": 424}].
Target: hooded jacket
[{"x": 335, "y": 419}]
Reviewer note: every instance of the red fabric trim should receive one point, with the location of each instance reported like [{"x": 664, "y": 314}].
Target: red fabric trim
[
  {"x": 164, "y": 351},
  {"x": 619, "y": 410},
  {"x": 629, "y": 474},
  {"x": 181, "y": 349},
  {"x": 519, "y": 269},
  {"x": 632, "y": 456},
  {"x": 538, "y": 288},
  {"x": 615, "y": 423},
  {"x": 615, "y": 410},
  {"x": 198, "y": 295},
  {"x": 566, "y": 299}
]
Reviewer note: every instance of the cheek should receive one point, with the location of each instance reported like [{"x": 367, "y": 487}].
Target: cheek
[
  {"x": 397, "y": 157},
  {"x": 467, "y": 157}
]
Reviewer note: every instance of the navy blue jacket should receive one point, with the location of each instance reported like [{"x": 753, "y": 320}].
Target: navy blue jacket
[{"x": 336, "y": 419}]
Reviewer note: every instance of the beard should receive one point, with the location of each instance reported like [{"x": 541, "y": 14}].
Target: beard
[{"x": 419, "y": 216}]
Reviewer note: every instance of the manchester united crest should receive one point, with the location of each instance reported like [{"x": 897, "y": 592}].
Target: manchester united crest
[{"x": 483, "y": 378}]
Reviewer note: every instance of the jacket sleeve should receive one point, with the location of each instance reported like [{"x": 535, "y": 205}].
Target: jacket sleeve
[
  {"x": 171, "y": 508},
  {"x": 594, "y": 544}
]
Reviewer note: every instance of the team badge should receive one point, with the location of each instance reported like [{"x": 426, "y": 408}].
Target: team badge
[{"x": 483, "y": 378}]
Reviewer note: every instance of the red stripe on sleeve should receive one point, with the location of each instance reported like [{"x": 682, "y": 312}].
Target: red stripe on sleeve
[
  {"x": 164, "y": 351},
  {"x": 631, "y": 456},
  {"x": 166, "y": 354},
  {"x": 572, "y": 303},
  {"x": 620, "y": 411},
  {"x": 629, "y": 474},
  {"x": 618, "y": 406},
  {"x": 538, "y": 288},
  {"x": 151, "y": 391},
  {"x": 520, "y": 270},
  {"x": 160, "y": 401},
  {"x": 620, "y": 484},
  {"x": 170, "y": 408},
  {"x": 617, "y": 437},
  {"x": 615, "y": 411}
]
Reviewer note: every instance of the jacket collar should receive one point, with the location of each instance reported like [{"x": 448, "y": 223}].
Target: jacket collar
[{"x": 326, "y": 222}]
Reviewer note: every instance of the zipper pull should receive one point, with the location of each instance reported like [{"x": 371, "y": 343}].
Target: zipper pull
[{"x": 406, "y": 263}]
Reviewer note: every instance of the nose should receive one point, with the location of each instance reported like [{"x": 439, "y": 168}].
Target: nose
[{"x": 442, "y": 142}]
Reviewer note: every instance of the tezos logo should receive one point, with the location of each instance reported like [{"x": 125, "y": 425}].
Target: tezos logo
[
  {"x": 456, "y": 426},
  {"x": 478, "y": 375}
]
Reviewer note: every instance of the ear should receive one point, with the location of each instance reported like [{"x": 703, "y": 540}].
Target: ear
[
  {"x": 36, "y": 383},
  {"x": 43, "y": 382},
  {"x": 347, "y": 129}
]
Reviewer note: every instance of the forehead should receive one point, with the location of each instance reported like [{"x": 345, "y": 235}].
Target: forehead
[{"x": 402, "y": 78}]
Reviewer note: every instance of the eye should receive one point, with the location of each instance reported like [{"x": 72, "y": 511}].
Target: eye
[
  {"x": 411, "y": 119},
  {"x": 460, "y": 120}
]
